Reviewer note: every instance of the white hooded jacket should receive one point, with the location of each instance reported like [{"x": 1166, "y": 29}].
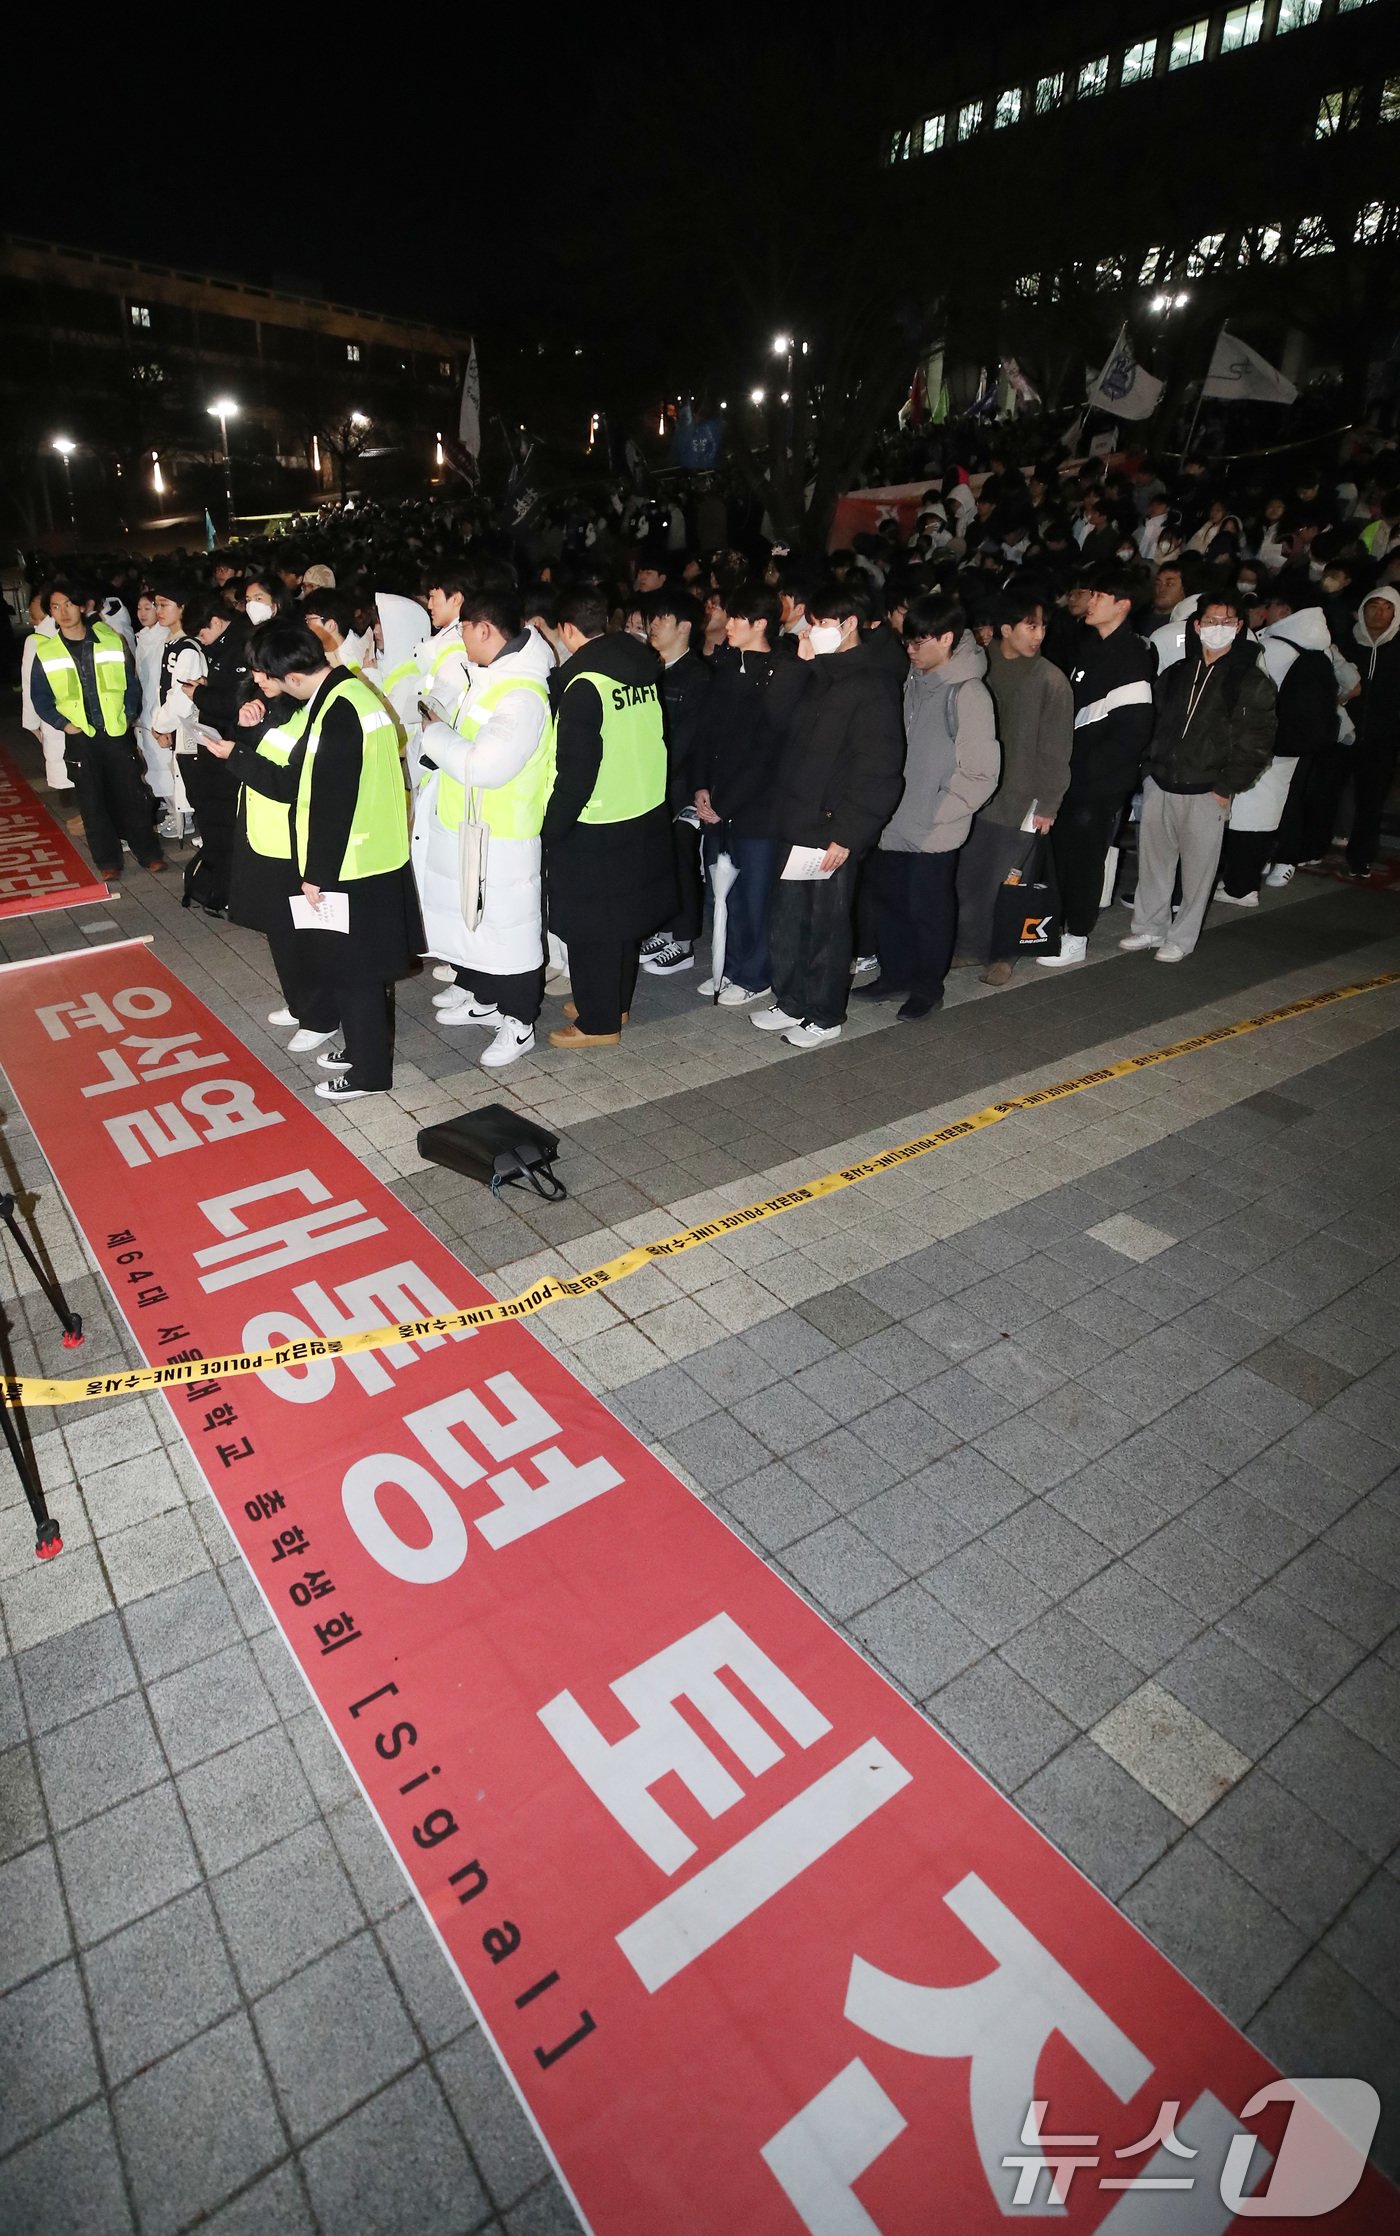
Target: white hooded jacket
[{"x": 509, "y": 938}]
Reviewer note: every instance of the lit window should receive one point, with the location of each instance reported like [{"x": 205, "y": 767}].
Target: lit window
[
  {"x": 1344, "y": 7},
  {"x": 1376, "y": 223},
  {"x": 1148, "y": 271},
  {"x": 1138, "y": 62},
  {"x": 1390, "y": 101},
  {"x": 1261, "y": 245},
  {"x": 931, "y": 135},
  {"x": 1205, "y": 255},
  {"x": 445, "y": 368},
  {"x": 1311, "y": 238},
  {"x": 352, "y": 353},
  {"x": 1242, "y": 27},
  {"x": 1338, "y": 112},
  {"x": 969, "y": 119},
  {"x": 1028, "y": 287},
  {"x": 1092, "y": 78},
  {"x": 1008, "y": 107},
  {"x": 1296, "y": 15},
  {"x": 1049, "y": 92},
  {"x": 1108, "y": 272},
  {"x": 1188, "y": 44},
  {"x": 140, "y": 314}
]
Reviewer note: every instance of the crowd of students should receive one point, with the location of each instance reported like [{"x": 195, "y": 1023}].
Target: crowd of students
[{"x": 855, "y": 757}]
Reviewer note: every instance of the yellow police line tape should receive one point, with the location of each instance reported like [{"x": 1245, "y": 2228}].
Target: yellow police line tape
[{"x": 34, "y": 1390}]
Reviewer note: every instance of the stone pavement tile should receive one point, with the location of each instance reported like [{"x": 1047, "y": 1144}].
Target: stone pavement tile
[
  {"x": 1279, "y": 1631},
  {"x": 990, "y": 1594},
  {"x": 101, "y": 1759},
  {"x": 1111, "y": 1318},
  {"x": 211, "y": 1704},
  {"x": 843, "y": 1468},
  {"x": 899, "y": 1289},
  {"x": 1309, "y": 1498},
  {"x": 843, "y": 1315},
  {"x": 775, "y": 1507},
  {"x": 503, "y": 2143},
  {"x": 546, "y": 2212},
  {"x": 972, "y": 1488},
  {"x": 240, "y": 1800},
  {"x": 140, "y": 1561},
  {"x": 374, "y": 1871},
  {"x": 841, "y": 1569},
  {"x": 1225, "y": 1937},
  {"x": 157, "y": 1983},
  {"x": 1356, "y": 1460},
  {"x": 1300, "y": 1371},
  {"x": 22, "y": 1819},
  {"x": 1249, "y": 1703},
  {"x": 1222, "y": 1330},
  {"x": 963, "y": 1403},
  {"x": 783, "y": 1417},
  {"x": 1099, "y": 1816},
  {"x": 1257, "y": 1298},
  {"x": 1246, "y": 1529},
  {"x": 1320, "y": 1268},
  {"x": 67, "y": 2179},
  {"x": 908, "y": 1523},
  {"x": 249, "y": 1607},
  {"x": 1321, "y": 2020},
  {"x": 1004, "y": 1724},
  {"x": 1200, "y": 1573},
  {"x": 46, "y": 2054},
  {"x": 1342, "y": 1335},
  {"x": 1046, "y": 1546},
  {"x": 13, "y": 1727},
  {"x": 1172, "y": 1479},
  {"x": 98, "y": 1440},
  {"x": 1179, "y": 1360},
  {"x": 900, "y": 1357},
  {"x": 1015, "y": 1373},
  {"x": 918, "y": 1641},
  {"x": 38, "y": 1608},
  {"x": 998, "y": 1304},
  {"x": 1170, "y": 1751},
  {"x": 1083, "y": 1419},
  {"x": 1366, "y": 1940},
  {"x": 275, "y": 2206},
  {"x": 281, "y": 1673},
  {"x": 436, "y": 2001},
  {"x": 950, "y": 1330},
  {"x": 285, "y": 1906},
  {"x": 904, "y": 1434},
  {"x": 118, "y": 1866},
  {"x": 787, "y": 1343},
  {"x": 214, "y": 2088},
  {"x": 1135, "y": 1390},
  {"x": 1297, "y": 1862},
  {"x": 1062, "y": 1344},
  {"x": 843, "y": 1385},
  {"x": 1344, "y": 1780},
  {"x": 1224, "y": 1441},
  {"x": 1035, "y": 1456},
  {"x": 716, "y": 1451},
  {"x": 1370, "y": 1534},
  {"x": 1356, "y": 1602},
  {"x": 1368, "y": 1703},
  {"x": 398, "y": 2166},
  {"x": 1134, "y": 1615},
  {"x": 134, "y": 1491},
  {"x": 1131, "y": 1237},
  {"x": 1254, "y": 1398},
  {"x": 1099, "y": 1501},
  {"x": 346, "y": 2005},
  {"x": 668, "y": 1400},
  {"x": 33, "y": 1924},
  {"x": 1074, "y": 1669}
]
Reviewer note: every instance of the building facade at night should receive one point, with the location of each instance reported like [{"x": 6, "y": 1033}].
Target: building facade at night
[
  {"x": 123, "y": 361},
  {"x": 1171, "y": 166}
]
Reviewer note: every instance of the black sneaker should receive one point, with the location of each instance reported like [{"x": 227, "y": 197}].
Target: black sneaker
[
  {"x": 333, "y": 1059},
  {"x": 655, "y": 944},
  {"x": 675, "y": 955},
  {"x": 340, "y": 1090}
]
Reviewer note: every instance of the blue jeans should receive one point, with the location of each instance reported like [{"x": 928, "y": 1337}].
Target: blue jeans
[{"x": 746, "y": 928}]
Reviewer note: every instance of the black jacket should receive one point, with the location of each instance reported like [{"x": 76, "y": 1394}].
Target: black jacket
[
  {"x": 1215, "y": 724},
  {"x": 1376, "y": 708},
  {"x": 686, "y": 688},
  {"x": 756, "y": 696},
  {"x": 605, "y": 881},
  {"x": 1307, "y": 708},
  {"x": 216, "y": 698},
  {"x": 841, "y": 771},
  {"x": 1112, "y": 683}
]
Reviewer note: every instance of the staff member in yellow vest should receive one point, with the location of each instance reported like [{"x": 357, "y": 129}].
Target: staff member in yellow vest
[
  {"x": 84, "y": 684},
  {"x": 262, "y": 873},
  {"x": 490, "y": 768},
  {"x": 610, "y": 870},
  {"x": 349, "y": 832}
]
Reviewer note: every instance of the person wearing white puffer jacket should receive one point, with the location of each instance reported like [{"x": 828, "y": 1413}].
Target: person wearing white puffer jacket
[{"x": 494, "y": 766}]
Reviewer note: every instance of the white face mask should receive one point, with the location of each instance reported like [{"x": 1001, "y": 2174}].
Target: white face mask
[
  {"x": 1218, "y": 636},
  {"x": 825, "y": 636},
  {"x": 258, "y": 610}
]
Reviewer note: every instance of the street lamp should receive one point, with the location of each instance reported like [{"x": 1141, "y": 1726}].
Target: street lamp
[
  {"x": 782, "y": 345},
  {"x": 359, "y": 419},
  {"x": 65, "y": 447},
  {"x": 757, "y": 395},
  {"x": 225, "y": 408}
]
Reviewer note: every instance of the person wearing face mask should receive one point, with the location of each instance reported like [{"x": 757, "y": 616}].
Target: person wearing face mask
[
  {"x": 1213, "y": 736},
  {"x": 263, "y": 600},
  {"x": 838, "y": 782}
]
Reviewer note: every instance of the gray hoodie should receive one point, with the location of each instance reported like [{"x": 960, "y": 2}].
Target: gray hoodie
[{"x": 952, "y": 760}]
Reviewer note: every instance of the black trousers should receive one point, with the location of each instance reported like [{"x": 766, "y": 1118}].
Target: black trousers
[
  {"x": 1243, "y": 859},
  {"x": 112, "y": 800},
  {"x": 312, "y": 1004},
  {"x": 1373, "y": 770},
  {"x": 604, "y": 978},
  {"x": 809, "y": 943},
  {"x": 916, "y": 917},
  {"x": 516, "y": 994},
  {"x": 213, "y": 796},
  {"x": 1309, "y": 802},
  {"x": 1080, "y": 841},
  {"x": 685, "y": 925},
  {"x": 367, "y": 1027}
]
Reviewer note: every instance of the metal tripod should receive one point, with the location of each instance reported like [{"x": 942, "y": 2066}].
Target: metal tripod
[{"x": 47, "y": 1540}]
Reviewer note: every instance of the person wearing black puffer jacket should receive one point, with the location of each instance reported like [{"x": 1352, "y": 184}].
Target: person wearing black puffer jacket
[{"x": 1376, "y": 714}]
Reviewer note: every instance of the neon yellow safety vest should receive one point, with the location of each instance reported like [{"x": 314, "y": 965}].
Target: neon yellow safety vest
[
  {"x": 451, "y": 643},
  {"x": 514, "y": 810},
  {"x": 632, "y": 777},
  {"x": 379, "y": 829},
  {"x": 109, "y": 667},
  {"x": 268, "y": 823}
]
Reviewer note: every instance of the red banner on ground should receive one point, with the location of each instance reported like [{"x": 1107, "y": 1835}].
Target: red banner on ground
[
  {"x": 760, "y": 1950},
  {"x": 39, "y": 866}
]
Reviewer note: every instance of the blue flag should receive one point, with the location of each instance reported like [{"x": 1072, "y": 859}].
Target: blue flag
[{"x": 209, "y": 538}]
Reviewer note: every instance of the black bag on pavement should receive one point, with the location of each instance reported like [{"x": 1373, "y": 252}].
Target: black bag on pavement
[
  {"x": 497, "y": 1147},
  {"x": 1026, "y": 914}
]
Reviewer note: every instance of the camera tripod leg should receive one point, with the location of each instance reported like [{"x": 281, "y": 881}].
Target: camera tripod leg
[
  {"x": 68, "y": 1320},
  {"x": 47, "y": 1540}
]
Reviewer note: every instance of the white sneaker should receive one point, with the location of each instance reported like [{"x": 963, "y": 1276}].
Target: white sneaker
[
  {"x": 445, "y": 971},
  {"x": 302, "y": 1042},
  {"x": 672, "y": 956},
  {"x": 340, "y": 1090},
  {"x": 1236, "y": 900},
  {"x": 1169, "y": 952},
  {"x": 1074, "y": 946},
  {"x": 706, "y": 987},
  {"x": 773, "y": 1020},
  {"x": 735, "y": 997},
  {"x": 282, "y": 1017},
  {"x": 512, "y": 1039},
  {"x": 1280, "y": 875},
  {"x": 449, "y": 997},
  {"x": 466, "y": 1010},
  {"x": 811, "y": 1036},
  {"x": 1137, "y": 942},
  {"x": 864, "y": 963}
]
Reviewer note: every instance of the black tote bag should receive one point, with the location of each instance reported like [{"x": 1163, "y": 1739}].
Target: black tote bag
[{"x": 1026, "y": 914}]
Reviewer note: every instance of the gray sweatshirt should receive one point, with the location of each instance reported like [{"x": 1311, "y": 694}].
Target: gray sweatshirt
[
  {"x": 950, "y": 766},
  {"x": 1035, "y": 722}
]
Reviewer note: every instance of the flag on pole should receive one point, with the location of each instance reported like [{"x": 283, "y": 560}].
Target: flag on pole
[
  {"x": 1241, "y": 375},
  {"x": 469, "y": 419},
  {"x": 209, "y": 537},
  {"x": 1125, "y": 388}
]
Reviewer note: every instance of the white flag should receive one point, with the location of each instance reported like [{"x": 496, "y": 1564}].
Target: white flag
[
  {"x": 469, "y": 422},
  {"x": 1243, "y": 376},
  {"x": 1124, "y": 387}
]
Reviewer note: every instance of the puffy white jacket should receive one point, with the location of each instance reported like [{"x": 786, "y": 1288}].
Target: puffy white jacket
[{"x": 509, "y": 938}]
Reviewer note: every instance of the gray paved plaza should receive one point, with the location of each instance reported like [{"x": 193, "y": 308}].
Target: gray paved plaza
[{"x": 1086, "y": 1431}]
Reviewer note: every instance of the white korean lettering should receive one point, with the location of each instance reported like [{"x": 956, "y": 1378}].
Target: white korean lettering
[
  {"x": 446, "y": 1548},
  {"x": 828, "y": 2145},
  {"x": 564, "y": 1485},
  {"x": 376, "y": 1300},
  {"x": 143, "y": 1134},
  {"x": 90, "y": 1010},
  {"x": 248, "y": 1252},
  {"x": 159, "y": 1059}
]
